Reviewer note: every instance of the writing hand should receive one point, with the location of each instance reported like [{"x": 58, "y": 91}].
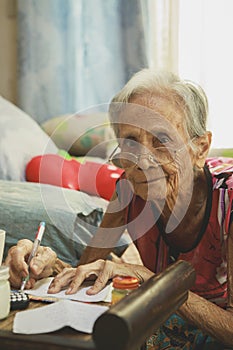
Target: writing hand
[{"x": 40, "y": 266}]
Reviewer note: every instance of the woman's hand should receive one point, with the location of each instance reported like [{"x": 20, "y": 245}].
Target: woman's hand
[
  {"x": 102, "y": 269},
  {"x": 42, "y": 265}
]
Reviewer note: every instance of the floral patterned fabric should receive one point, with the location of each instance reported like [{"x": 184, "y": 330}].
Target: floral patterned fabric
[{"x": 176, "y": 334}]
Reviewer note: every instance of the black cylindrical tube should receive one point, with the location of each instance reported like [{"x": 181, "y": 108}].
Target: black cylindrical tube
[{"x": 130, "y": 321}]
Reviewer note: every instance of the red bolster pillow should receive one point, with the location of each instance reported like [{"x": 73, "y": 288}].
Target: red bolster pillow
[{"x": 93, "y": 178}]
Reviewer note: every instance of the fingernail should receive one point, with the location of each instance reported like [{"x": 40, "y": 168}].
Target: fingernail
[
  {"x": 51, "y": 290},
  {"x": 90, "y": 290}
]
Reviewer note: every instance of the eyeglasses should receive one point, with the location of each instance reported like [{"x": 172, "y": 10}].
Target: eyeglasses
[{"x": 161, "y": 156}]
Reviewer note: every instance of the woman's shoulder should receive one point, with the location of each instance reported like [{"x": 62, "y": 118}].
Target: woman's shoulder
[{"x": 221, "y": 169}]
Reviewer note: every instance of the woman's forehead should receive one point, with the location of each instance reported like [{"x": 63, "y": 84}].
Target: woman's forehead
[{"x": 158, "y": 120}]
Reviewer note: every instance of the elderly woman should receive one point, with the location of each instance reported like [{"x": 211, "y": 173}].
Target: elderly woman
[{"x": 172, "y": 203}]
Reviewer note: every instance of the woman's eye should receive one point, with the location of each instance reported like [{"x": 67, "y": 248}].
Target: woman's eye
[
  {"x": 161, "y": 141},
  {"x": 164, "y": 140},
  {"x": 128, "y": 144}
]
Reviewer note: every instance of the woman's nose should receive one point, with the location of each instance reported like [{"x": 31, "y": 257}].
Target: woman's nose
[{"x": 143, "y": 162}]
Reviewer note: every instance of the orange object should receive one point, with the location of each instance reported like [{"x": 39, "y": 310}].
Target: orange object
[{"x": 122, "y": 286}]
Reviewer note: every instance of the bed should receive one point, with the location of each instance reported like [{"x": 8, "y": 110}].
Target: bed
[{"x": 72, "y": 216}]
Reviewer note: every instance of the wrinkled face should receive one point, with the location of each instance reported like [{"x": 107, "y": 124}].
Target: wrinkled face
[{"x": 153, "y": 129}]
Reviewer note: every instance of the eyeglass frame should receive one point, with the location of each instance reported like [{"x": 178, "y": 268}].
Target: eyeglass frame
[{"x": 150, "y": 157}]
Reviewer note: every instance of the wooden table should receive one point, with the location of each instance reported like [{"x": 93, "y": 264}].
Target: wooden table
[
  {"x": 65, "y": 338},
  {"x": 126, "y": 325}
]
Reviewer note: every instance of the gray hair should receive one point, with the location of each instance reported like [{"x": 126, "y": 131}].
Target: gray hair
[{"x": 183, "y": 93}]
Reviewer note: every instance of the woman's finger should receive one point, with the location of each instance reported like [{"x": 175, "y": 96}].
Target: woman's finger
[
  {"x": 105, "y": 274},
  {"x": 17, "y": 256},
  {"x": 43, "y": 262},
  {"x": 62, "y": 280},
  {"x": 83, "y": 272}
]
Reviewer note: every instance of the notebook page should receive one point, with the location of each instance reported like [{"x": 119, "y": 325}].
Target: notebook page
[
  {"x": 41, "y": 287},
  {"x": 49, "y": 318}
]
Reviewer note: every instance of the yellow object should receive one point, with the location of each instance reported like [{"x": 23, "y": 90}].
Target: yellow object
[{"x": 122, "y": 286}]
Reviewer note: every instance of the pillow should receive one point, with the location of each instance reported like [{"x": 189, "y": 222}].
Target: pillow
[
  {"x": 21, "y": 139},
  {"x": 71, "y": 217},
  {"x": 81, "y": 159},
  {"x": 80, "y": 134},
  {"x": 221, "y": 152},
  {"x": 90, "y": 177}
]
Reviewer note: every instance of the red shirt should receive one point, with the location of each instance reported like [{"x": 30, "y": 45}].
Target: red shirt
[{"x": 209, "y": 255}]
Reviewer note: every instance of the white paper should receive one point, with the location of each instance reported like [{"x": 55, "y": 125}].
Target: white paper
[
  {"x": 41, "y": 287},
  {"x": 2, "y": 244},
  {"x": 45, "y": 319}
]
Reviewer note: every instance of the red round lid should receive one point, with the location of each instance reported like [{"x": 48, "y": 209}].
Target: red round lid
[{"x": 125, "y": 282}]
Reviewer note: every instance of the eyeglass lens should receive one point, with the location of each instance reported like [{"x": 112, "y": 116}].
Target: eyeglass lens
[{"x": 160, "y": 155}]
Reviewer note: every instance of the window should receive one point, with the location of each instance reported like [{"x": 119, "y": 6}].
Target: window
[{"x": 206, "y": 56}]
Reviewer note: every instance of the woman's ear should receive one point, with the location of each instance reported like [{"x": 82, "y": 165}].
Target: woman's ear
[{"x": 203, "y": 146}]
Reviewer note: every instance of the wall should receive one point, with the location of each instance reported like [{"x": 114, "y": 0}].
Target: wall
[{"x": 8, "y": 50}]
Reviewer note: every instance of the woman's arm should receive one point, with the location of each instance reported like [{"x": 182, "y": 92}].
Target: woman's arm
[
  {"x": 105, "y": 239},
  {"x": 107, "y": 235},
  {"x": 209, "y": 317}
]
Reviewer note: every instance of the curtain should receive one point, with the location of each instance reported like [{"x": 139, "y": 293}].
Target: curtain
[
  {"x": 73, "y": 54},
  {"x": 162, "y": 23}
]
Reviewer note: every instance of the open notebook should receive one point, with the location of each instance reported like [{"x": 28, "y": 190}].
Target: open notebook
[
  {"x": 68, "y": 310},
  {"x": 49, "y": 318},
  {"x": 41, "y": 287}
]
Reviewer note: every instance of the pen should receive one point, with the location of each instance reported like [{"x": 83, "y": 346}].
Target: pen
[{"x": 36, "y": 244}]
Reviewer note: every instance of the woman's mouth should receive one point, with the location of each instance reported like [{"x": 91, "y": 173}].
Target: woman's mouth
[{"x": 148, "y": 181}]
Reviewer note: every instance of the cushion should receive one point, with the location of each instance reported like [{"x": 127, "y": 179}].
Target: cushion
[
  {"x": 81, "y": 134},
  {"x": 71, "y": 217},
  {"x": 21, "y": 139},
  {"x": 221, "y": 152},
  {"x": 90, "y": 177}
]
